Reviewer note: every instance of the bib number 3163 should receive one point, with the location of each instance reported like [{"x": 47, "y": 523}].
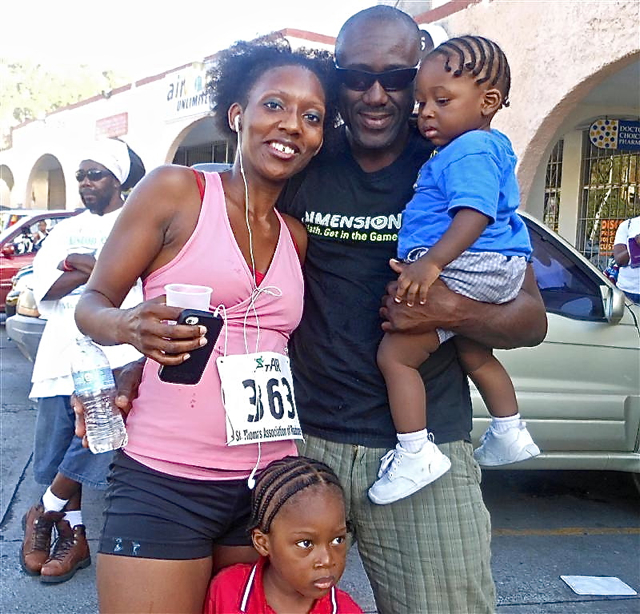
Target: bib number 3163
[{"x": 258, "y": 398}]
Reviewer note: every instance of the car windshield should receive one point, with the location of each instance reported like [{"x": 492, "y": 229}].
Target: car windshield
[
  {"x": 6, "y": 233},
  {"x": 9, "y": 218}
]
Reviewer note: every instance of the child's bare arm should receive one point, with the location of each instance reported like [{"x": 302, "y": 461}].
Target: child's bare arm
[
  {"x": 416, "y": 279},
  {"x": 465, "y": 228}
]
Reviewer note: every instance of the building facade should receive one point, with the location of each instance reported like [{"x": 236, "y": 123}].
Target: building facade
[{"x": 165, "y": 118}]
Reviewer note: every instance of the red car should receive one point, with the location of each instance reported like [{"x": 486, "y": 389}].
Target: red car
[{"x": 20, "y": 242}]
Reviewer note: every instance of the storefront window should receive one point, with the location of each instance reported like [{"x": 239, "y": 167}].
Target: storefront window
[
  {"x": 552, "y": 187},
  {"x": 610, "y": 194},
  {"x": 218, "y": 151}
]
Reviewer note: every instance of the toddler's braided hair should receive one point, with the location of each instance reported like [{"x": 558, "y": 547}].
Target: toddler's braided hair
[
  {"x": 281, "y": 480},
  {"x": 480, "y": 58}
]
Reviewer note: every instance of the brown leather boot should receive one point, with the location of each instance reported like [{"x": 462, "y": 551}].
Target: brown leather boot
[
  {"x": 37, "y": 525},
  {"x": 70, "y": 553}
]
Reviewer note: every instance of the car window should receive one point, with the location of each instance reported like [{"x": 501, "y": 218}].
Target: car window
[
  {"x": 39, "y": 231},
  {"x": 30, "y": 238},
  {"x": 23, "y": 243},
  {"x": 55, "y": 220},
  {"x": 567, "y": 288}
]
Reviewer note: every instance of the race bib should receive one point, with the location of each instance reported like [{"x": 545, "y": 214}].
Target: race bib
[{"x": 258, "y": 398}]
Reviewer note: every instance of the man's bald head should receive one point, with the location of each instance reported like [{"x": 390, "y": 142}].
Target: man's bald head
[
  {"x": 378, "y": 41},
  {"x": 379, "y": 14}
]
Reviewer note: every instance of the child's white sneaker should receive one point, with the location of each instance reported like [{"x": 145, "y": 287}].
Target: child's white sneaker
[
  {"x": 402, "y": 473},
  {"x": 511, "y": 446}
]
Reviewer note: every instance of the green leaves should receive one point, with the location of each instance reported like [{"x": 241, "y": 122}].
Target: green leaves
[{"x": 30, "y": 90}]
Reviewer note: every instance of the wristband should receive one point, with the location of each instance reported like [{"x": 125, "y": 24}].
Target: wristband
[{"x": 66, "y": 266}]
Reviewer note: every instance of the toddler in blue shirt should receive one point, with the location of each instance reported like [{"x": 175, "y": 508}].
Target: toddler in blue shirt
[{"x": 460, "y": 226}]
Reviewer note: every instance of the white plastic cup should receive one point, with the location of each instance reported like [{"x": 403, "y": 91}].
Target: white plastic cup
[{"x": 188, "y": 296}]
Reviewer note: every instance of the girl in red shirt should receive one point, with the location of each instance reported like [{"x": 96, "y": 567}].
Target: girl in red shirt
[{"x": 298, "y": 526}]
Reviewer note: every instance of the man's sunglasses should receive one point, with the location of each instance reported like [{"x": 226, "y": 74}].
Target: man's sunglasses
[
  {"x": 94, "y": 175},
  {"x": 390, "y": 80}
]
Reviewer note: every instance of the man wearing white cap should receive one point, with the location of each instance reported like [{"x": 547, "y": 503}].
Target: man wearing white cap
[{"x": 61, "y": 268}]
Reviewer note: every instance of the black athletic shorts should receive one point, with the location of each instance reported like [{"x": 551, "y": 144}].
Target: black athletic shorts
[{"x": 154, "y": 515}]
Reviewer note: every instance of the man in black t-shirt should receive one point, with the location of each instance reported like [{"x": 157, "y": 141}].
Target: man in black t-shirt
[{"x": 431, "y": 551}]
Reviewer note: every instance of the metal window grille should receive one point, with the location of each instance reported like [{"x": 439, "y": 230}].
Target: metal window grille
[
  {"x": 610, "y": 195},
  {"x": 552, "y": 187},
  {"x": 218, "y": 151}
]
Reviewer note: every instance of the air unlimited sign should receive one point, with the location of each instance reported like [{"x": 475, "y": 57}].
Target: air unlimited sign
[
  {"x": 186, "y": 93},
  {"x": 615, "y": 134}
]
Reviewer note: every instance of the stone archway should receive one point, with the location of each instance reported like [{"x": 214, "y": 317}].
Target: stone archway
[
  {"x": 46, "y": 187},
  {"x": 200, "y": 142},
  {"x": 546, "y": 135},
  {"x": 6, "y": 185}
]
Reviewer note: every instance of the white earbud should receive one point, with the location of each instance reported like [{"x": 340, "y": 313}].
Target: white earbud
[{"x": 236, "y": 123}]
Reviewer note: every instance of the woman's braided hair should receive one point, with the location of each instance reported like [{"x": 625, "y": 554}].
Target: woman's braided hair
[
  {"x": 281, "y": 480},
  {"x": 479, "y": 57}
]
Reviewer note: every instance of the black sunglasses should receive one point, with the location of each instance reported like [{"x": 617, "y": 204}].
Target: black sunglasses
[
  {"x": 94, "y": 175},
  {"x": 390, "y": 80}
]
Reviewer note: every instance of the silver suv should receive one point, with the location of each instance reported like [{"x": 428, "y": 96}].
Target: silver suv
[{"x": 579, "y": 391}]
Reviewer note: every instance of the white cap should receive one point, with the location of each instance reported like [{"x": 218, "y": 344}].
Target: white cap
[{"x": 112, "y": 154}]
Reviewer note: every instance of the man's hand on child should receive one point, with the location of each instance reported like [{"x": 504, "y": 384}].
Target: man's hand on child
[{"x": 440, "y": 310}]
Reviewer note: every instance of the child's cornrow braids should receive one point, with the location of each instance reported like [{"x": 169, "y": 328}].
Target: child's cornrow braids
[
  {"x": 482, "y": 58},
  {"x": 280, "y": 481}
]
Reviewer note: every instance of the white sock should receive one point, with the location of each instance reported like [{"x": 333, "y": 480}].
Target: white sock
[
  {"x": 413, "y": 442},
  {"x": 74, "y": 517},
  {"x": 502, "y": 425},
  {"x": 52, "y": 503}
]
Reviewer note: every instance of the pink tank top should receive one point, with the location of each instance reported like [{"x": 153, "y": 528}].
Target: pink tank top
[{"x": 181, "y": 430}]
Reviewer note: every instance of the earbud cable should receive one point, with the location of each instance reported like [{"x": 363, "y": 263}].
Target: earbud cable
[
  {"x": 251, "y": 482},
  {"x": 246, "y": 213}
]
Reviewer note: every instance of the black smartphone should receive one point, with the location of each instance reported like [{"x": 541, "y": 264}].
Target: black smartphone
[{"x": 190, "y": 372}]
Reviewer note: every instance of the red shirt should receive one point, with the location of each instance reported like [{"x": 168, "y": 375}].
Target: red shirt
[{"x": 239, "y": 590}]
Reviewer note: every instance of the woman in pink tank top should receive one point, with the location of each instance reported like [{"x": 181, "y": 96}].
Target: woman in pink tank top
[{"x": 179, "y": 498}]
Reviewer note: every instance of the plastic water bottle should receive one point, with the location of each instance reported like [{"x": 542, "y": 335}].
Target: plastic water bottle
[{"x": 96, "y": 388}]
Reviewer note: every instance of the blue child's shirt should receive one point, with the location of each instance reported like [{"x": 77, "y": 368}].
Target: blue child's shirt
[{"x": 476, "y": 171}]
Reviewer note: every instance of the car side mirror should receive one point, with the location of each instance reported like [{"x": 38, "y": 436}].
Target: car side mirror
[
  {"x": 9, "y": 251},
  {"x": 613, "y": 300}
]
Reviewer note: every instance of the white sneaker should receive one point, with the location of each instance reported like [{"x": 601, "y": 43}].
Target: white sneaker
[
  {"x": 402, "y": 473},
  {"x": 512, "y": 446}
]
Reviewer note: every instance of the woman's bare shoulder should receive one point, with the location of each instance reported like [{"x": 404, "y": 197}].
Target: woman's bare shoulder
[
  {"x": 163, "y": 189},
  {"x": 172, "y": 177}
]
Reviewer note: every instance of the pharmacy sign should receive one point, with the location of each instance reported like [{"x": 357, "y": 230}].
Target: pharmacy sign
[{"x": 615, "y": 134}]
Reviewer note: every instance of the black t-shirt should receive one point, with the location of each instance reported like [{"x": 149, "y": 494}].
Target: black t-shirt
[{"x": 352, "y": 219}]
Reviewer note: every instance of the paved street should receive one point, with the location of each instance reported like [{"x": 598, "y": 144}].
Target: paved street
[{"x": 546, "y": 524}]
